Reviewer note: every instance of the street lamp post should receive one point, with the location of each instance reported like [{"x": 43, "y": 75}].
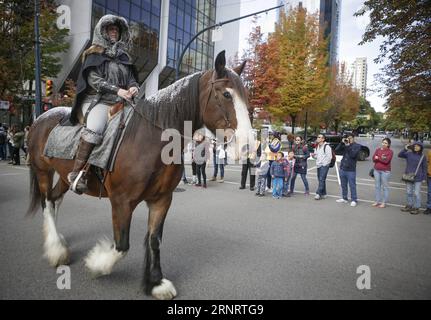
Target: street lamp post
[
  {"x": 38, "y": 93},
  {"x": 177, "y": 69}
]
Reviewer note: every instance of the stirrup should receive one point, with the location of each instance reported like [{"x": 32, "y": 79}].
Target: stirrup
[{"x": 75, "y": 182}]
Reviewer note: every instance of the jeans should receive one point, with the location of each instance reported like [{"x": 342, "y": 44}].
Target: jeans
[
  {"x": 286, "y": 185},
  {"x": 350, "y": 178},
  {"x": 200, "y": 170},
  {"x": 429, "y": 193},
  {"x": 277, "y": 187},
  {"x": 322, "y": 173},
  {"x": 414, "y": 194},
  {"x": 304, "y": 180},
  {"x": 221, "y": 164},
  {"x": 261, "y": 184},
  {"x": 268, "y": 175},
  {"x": 382, "y": 182},
  {"x": 3, "y": 153}
]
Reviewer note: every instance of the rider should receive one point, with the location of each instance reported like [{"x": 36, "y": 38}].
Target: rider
[{"x": 107, "y": 77}]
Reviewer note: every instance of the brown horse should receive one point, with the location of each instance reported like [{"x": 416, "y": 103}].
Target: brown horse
[{"x": 139, "y": 174}]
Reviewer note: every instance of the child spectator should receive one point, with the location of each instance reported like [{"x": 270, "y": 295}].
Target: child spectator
[
  {"x": 290, "y": 163},
  {"x": 278, "y": 175},
  {"x": 261, "y": 172}
]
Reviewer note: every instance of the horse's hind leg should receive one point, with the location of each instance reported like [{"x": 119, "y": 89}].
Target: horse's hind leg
[
  {"x": 153, "y": 282},
  {"x": 102, "y": 258},
  {"x": 55, "y": 247}
]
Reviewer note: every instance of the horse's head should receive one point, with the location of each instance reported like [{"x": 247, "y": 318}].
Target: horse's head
[{"x": 224, "y": 105}]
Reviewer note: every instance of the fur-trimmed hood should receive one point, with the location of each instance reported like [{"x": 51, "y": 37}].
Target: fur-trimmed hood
[{"x": 101, "y": 38}]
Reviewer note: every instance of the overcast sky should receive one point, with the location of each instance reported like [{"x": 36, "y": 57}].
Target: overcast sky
[{"x": 351, "y": 31}]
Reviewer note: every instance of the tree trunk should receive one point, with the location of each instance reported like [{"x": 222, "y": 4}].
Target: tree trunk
[
  {"x": 336, "y": 124},
  {"x": 293, "y": 117}
]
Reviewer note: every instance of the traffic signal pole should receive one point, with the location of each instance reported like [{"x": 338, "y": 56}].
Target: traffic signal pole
[
  {"x": 38, "y": 94},
  {"x": 177, "y": 69}
]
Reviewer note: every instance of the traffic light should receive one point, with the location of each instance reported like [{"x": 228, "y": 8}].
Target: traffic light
[{"x": 48, "y": 88}]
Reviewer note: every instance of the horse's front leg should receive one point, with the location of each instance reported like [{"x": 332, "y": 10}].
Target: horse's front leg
[
  {"x": 102, "y": 258},
  {"x": 153, "y": 281}
]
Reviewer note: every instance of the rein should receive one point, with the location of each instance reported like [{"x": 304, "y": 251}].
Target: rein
[{"x": 133, "y": 104}]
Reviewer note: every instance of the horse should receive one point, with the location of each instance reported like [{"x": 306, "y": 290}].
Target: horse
[{"x": 217, "y": 100}]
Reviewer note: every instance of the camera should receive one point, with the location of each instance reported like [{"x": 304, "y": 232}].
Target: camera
[{"x": 345, "y": 140}]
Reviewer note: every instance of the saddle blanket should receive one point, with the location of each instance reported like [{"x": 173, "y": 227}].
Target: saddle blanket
[{"x": 63, "y": 141}]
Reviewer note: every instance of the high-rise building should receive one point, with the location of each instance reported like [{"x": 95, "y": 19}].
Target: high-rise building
[
  {"x": 329, "y": 19},
  {"x": 359, "y": 75},
  {"x": 160, "y": 29}
]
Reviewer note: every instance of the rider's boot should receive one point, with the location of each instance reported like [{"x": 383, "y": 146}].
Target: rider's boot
[{"x": 76, "y": 178}]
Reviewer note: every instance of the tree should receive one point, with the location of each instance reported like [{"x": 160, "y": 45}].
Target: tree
[
  {"x": 406, "y": 28},
  {"x": 300, "y": 57},
  {"x": 342, "y": 101},
  {"x": 17, "y": 48}
]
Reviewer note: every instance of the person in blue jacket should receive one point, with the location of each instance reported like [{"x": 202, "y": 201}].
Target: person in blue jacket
[
  {"x": 415, "y": 160},
  {"x": 350, "y": 150}
]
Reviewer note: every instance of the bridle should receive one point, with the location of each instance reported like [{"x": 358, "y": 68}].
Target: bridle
[{"x": 218, "y": 102}]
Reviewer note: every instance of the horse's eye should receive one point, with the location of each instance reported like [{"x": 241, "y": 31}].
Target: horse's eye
[{"x": 227, "y": 95}]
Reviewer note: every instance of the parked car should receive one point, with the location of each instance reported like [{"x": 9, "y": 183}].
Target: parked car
[{"x": 334, "y": 141}]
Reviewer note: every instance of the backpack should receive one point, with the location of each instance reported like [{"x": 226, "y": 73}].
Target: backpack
[{"x": 333, "y": 159}]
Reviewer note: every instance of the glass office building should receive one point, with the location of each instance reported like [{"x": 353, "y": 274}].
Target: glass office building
[{"x": 160, "y": 29}]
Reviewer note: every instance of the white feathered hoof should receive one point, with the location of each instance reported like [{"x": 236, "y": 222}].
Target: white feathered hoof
[
  {"x": 56, "y": 251},
  {"x": 164, "y": 291},
  {"x": 102, "y": 258}
]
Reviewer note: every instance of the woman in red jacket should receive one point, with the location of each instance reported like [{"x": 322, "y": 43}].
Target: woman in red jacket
[{"x": 382, "y": 171}]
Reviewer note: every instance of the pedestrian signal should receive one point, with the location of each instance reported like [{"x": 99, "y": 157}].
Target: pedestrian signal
[{"x": 48, "y": 88}]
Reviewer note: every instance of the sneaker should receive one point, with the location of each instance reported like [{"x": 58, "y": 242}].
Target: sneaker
[
  {"x": 213, "y": 179},
  {"x": 204, "y": 186},
  {"x": 307, "y": 193},
  {"x": 221, "y": 180},
  {"x": 427, "y": 211},
  {"x": 241, "y": 187},
  {"x": 353, "y": 204},
  {"x": 415, "y": 211},
  {"x": 251, "y": 188},
  {"x": 406, "y": 209},
  {"x": 341, "y": 201},
  {"x": 198, "y": 185},
  {"x": 382, "y": 205},
  {"x": 375, "y": 204},
  {"x": 317, "y": 197}
]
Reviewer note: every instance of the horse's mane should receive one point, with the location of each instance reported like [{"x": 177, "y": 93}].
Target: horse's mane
[{"x": 169, "y": 107}]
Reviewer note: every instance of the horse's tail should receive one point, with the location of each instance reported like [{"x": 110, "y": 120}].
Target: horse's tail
[{"x": 35, "y": 194}]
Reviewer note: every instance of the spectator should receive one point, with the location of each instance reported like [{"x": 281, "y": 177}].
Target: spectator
[
  {"x": 248, "y": 159},
  {"x": 3, "y": 143},
  {"x": 428, "y": 209},
  {"x": 382, "y": 171},
  {"x": 323, "y": 155},
  {"x": 262, "y": 168},
  {"x": 289, "y": 165},
  {"x": 416, "y": 163},
  {"x": 201, "y": 156},
  {"x": 17, "y": 143},
  {"x": 350, "y": 150},
  {"x": 271, "y": 155},
  {"x": 279, "y": 175},
  {"x": 219, "y": 158},
  {"x": 301, "y": 152}
]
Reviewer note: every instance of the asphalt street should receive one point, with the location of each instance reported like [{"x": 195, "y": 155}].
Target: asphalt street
[{"x": 225, "y": 243}]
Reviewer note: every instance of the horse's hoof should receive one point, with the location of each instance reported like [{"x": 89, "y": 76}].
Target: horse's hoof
[
  {"x": 56, "y": 252},
  {"x": 164, "y": 291},
  {"x": 102, "y": 258}
]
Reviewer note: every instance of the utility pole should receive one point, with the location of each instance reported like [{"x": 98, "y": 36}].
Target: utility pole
[
  {"x": 177, "y": 69},
  {"x": 38, "y": 94}
]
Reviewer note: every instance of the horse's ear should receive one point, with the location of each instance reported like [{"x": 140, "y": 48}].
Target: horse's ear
[
  {"x": 220, "y": 64},
  {"x": 240, "y": 68}
]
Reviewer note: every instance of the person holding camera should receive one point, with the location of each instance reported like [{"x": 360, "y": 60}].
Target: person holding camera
[
  {"x": 350, "y": 150},
  {"x": 414, "y": 174}
]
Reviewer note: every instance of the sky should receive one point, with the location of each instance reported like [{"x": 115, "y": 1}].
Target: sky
[{"x": 350, "y": 34}]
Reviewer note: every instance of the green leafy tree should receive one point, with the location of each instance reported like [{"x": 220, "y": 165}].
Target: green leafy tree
[
  {"x": 405, "y": 26},
  {"x": 17, "y": 63}
]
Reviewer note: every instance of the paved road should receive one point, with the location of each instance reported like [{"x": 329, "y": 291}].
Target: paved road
[{"x": 225, "y": 243}]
